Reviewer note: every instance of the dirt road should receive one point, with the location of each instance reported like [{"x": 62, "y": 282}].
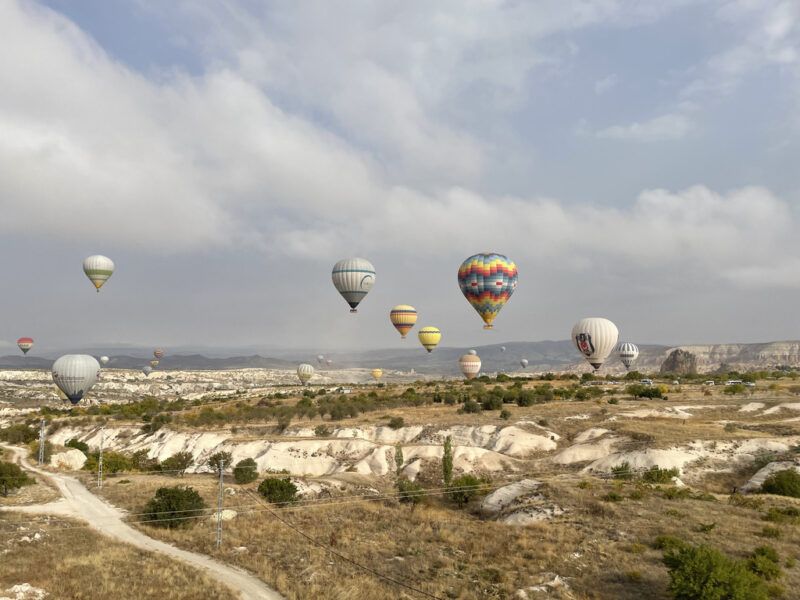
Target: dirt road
[{"x": 80, "y": 503}]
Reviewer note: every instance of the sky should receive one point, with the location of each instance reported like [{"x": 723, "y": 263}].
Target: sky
[{"x": 637, "y": 159}]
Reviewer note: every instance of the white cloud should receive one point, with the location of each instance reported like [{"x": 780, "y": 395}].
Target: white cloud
[
  {"x": 601, "y": 86},
  {"x": 674, "y": 126}
]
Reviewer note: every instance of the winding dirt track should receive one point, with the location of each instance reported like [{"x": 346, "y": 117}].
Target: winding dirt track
[{"x": 80, "y": 503}]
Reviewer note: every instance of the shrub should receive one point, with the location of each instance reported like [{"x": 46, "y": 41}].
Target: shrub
[
  {"x": 765, "y": 563},
  {"x": 613, "y": 497},
  {"x": 18, "y": 434},
  {"x": 676, "y": 493},
  {"x": 78, "y": 445},
  {"x": 770, "y": 532},
  {"x": 782, "y": 514},
  {"x": 668, "y": 542},
  {"x": 470, "y": 406},
  {"x": 396, "y": 422},
  {"x": 12, "y": 478},
  {"x": 622, "y": 471},
  {"x": 644, "y": 391},
  {"x": 492, "y": 403},
  {"x": 322, "y": 431},
  {"x": 173, "y": 507},
  {"x": 278, "y": 491},
  {"x": 703, "y": 573},
  {"x": 730, "y": 427},
  {"x": 34, "y": 449},
  {"x": 783, "y": 483},
  {"x": 464, "y": 488},
  {"x": 658, "y": 475},
  {"x": 736, "y": 388},
  {"x": 505, "y": 414},
  {"x": 113, "y": 462},
  {"x": 141, "y": 462},
  {"x": 409, "y": 492},
  {"x": 219, "y": 459},
  {"x": 177, "y": 463},
  {"x": 245, "y": 471}
]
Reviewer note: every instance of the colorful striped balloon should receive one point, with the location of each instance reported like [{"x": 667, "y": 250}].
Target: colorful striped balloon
[
  {"x": 98, "y": 269},
  {"x": 487, "y": 281},
  {"x": 25, "y": 344},
  {"x": 429, "y": 337},
  {"x": 403, "y": 318}
]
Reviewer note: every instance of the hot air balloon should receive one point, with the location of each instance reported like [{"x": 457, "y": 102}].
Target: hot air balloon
[
  {"x": 502, "y": 348},
  {"x": 487, "y": 281},
  {"x": 320, "y": 358},
  {"x": 104, "y": 360},
  {"x": 158, "y": 353},
  {"x": 403, "y": 318},
  {"x": 429, "y": 337},
  {"x": 524, "y": 363},
  {"x": 377, "y": 374},
  {"x": 595, "y": 338},
  {"x": 154, "y": 363},
  {"x": 304, "y": 373},
  {"x": 98, "y": 269},
  {"x": 473, "y": 352},
  {"x": 328, "y": 362},
  {"x": 75, "y": 374},
  {"x": 470, "y": 365},
  {"x": 628, "y": 353},
  {"x": 353, "y": 278},
  {"x": 25, "y": 344},
  {"x": 147, "y": 370}
]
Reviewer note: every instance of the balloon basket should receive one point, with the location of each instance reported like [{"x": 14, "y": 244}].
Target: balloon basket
[
  {"x": 488, "y": 327},
  {"x": 353, "y": 310}
]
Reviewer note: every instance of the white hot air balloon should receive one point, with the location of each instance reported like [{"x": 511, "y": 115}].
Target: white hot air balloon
[
  {"x": 98, "y": 269},
  {"x": 523, "y": 363},
  {"x": 328, "y": 362},
  {"x": 320, "y": 358},
  {"x": 470, "y": 365},
  {"x": 104, "y": 360},
  {"x": 75, "y": 374},
  {"x": 473, "y": 352},
  {"x": 147, "y": 370},
  {"x": 353, "y": 278},
  {"x": 304, "y": 373},
  {"x": 628, "y": 353},
  {"x": 502, "y": 348},
  {"x": 595, "y": 338}
]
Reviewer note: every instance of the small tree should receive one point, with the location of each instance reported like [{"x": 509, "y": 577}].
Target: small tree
[
  {"x": 178, "y": 463},
  {"x": 783, "y": 483},
  {"x": 173, "y": 507},
  {"x": 245, "y": 471},
  {"x": 219, "y": 459},
  {"x": 396, "y": 422},
  {"x": 12, "y": 478},
  {"x": 48, "y": 450},
  {"x": 409, "y": 492},
  {"x": 464, "y": 489},
  {"x": 141, "y": 462},
  {"x": 398, "y": 459},
  {"x": 447, "y": 461},
  {"x": 78, "y": 445},
  {"x": 278, "y": 491}
]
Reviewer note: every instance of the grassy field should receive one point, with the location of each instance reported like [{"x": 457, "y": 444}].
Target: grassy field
[{"x": 77, "y": 564}]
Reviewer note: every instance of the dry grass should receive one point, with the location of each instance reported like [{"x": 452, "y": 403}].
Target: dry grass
[{"x": 78, "y": 564}]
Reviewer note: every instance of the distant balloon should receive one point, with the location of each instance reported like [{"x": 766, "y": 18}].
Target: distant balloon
[
  {"x": 147, "y": 370},
  {"x": 524, "y": 363},
  {"x": 104, "y": 360},
  {"x": 595, "y": 338},
  {"x": 304, "y": 373},
  {"x": 320, "y": 358},
  {"x": 403, "y": 317},
  {"x": 353, "y": 278},
  {"x": 473, "y": 352},
  {"x": 628, "y": 353},
  {"x": 75, "y": 374},
  {"x": 98, "y": 269},
  {"x": 470, "y": 365},
  {"x": 502, "y": 348},
  {"x": 154, "y": 363},
  {"x": 429, "y": 337},
  {"x": 328, "y": 362},
  {"x": 25, "y": 344},
  {"x": 487, "y": 281},
  {"x": 158, "y": 353},
  {"x": 376, "y": 374}
]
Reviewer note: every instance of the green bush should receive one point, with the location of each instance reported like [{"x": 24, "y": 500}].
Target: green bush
[
  {"x": 113, "y": 462},
  {"x": 703, "y": 573},
  {"x": 765, "y": 563},
  {"x": 245, "y": 471},
  {"x": 470, "y": 406},
  {"x": 464, "y": 488},
  {"x": 396, "y": 422},
  {"x": 492, "y": 403},
  {"x": 278, "y": 491},
  {"x": 658, "y": 475},
  {"x": 174, "y": 507},
  {"x": 322, "y": 431},
  {"x": 409, "y": 492},
  {"x": 622, "y": 471},
  {"x": 613, "y": 497},
  {"x": 644, "y": 391},
  {"x": 736, "y": 388},
  {"x": 12, "y": 478},
  {"x": 18, "y": 434},
  {"x": 219, "y": 459},
  {"x": 34, "y": 450},
  {"x": 783, "y": 483},
  {"x": 177, "y": 463},
  {"x": 782, "y": 514},
  {"x": 505, "y": 414},
  {"x": 78, "y": 445},
  {"x": 141, "y": 462}
]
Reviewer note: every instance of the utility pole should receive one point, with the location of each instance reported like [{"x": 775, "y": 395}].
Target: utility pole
[
  {"x": 219, "y": 502},
  {"x": 41, "y": 442},
  {"x": 100, "y": 459}
]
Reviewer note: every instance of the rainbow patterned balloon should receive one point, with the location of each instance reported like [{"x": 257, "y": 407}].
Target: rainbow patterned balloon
[{"x": 487, "y": 281}]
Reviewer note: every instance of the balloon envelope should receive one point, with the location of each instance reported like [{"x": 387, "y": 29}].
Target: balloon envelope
[
  {"x": 103, "y": 360},
  {"x": 154, "y": 363},
  {"x": 487, "y": 281},
  {"x": 320, "y": 358},
  {"x": 470, "y": 365},
  {"x": 25, "y": 344},
  {"x": 376, "y": 374},
  {"x": 98, "y": 269},
  {"x": 75, "y": 374},
  {"x": 524, "y": 362},
  {"x": 158, "y": 353},
  {"x": 353, "y": 278},
  {"x": 429, "y": 337},
  {"x": 502, "y": 348},
  {"x": 328, "y": 362},
  {"x": 304, "y": 373},
  {"x": 473, "y": 352},
  {"x": 147, "y": 370},
  {"x": 628, "y": 353},
  {"x": 403, "y": 317},
  {"x": 595, "y": 338}
]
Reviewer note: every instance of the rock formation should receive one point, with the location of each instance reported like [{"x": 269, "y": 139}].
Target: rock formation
[{"x": 680, "y": 362}]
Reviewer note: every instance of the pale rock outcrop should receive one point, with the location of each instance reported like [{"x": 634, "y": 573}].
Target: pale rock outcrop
[
  {"x": 70, "y": 460},
  {"x": 756, "y": 481}
]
